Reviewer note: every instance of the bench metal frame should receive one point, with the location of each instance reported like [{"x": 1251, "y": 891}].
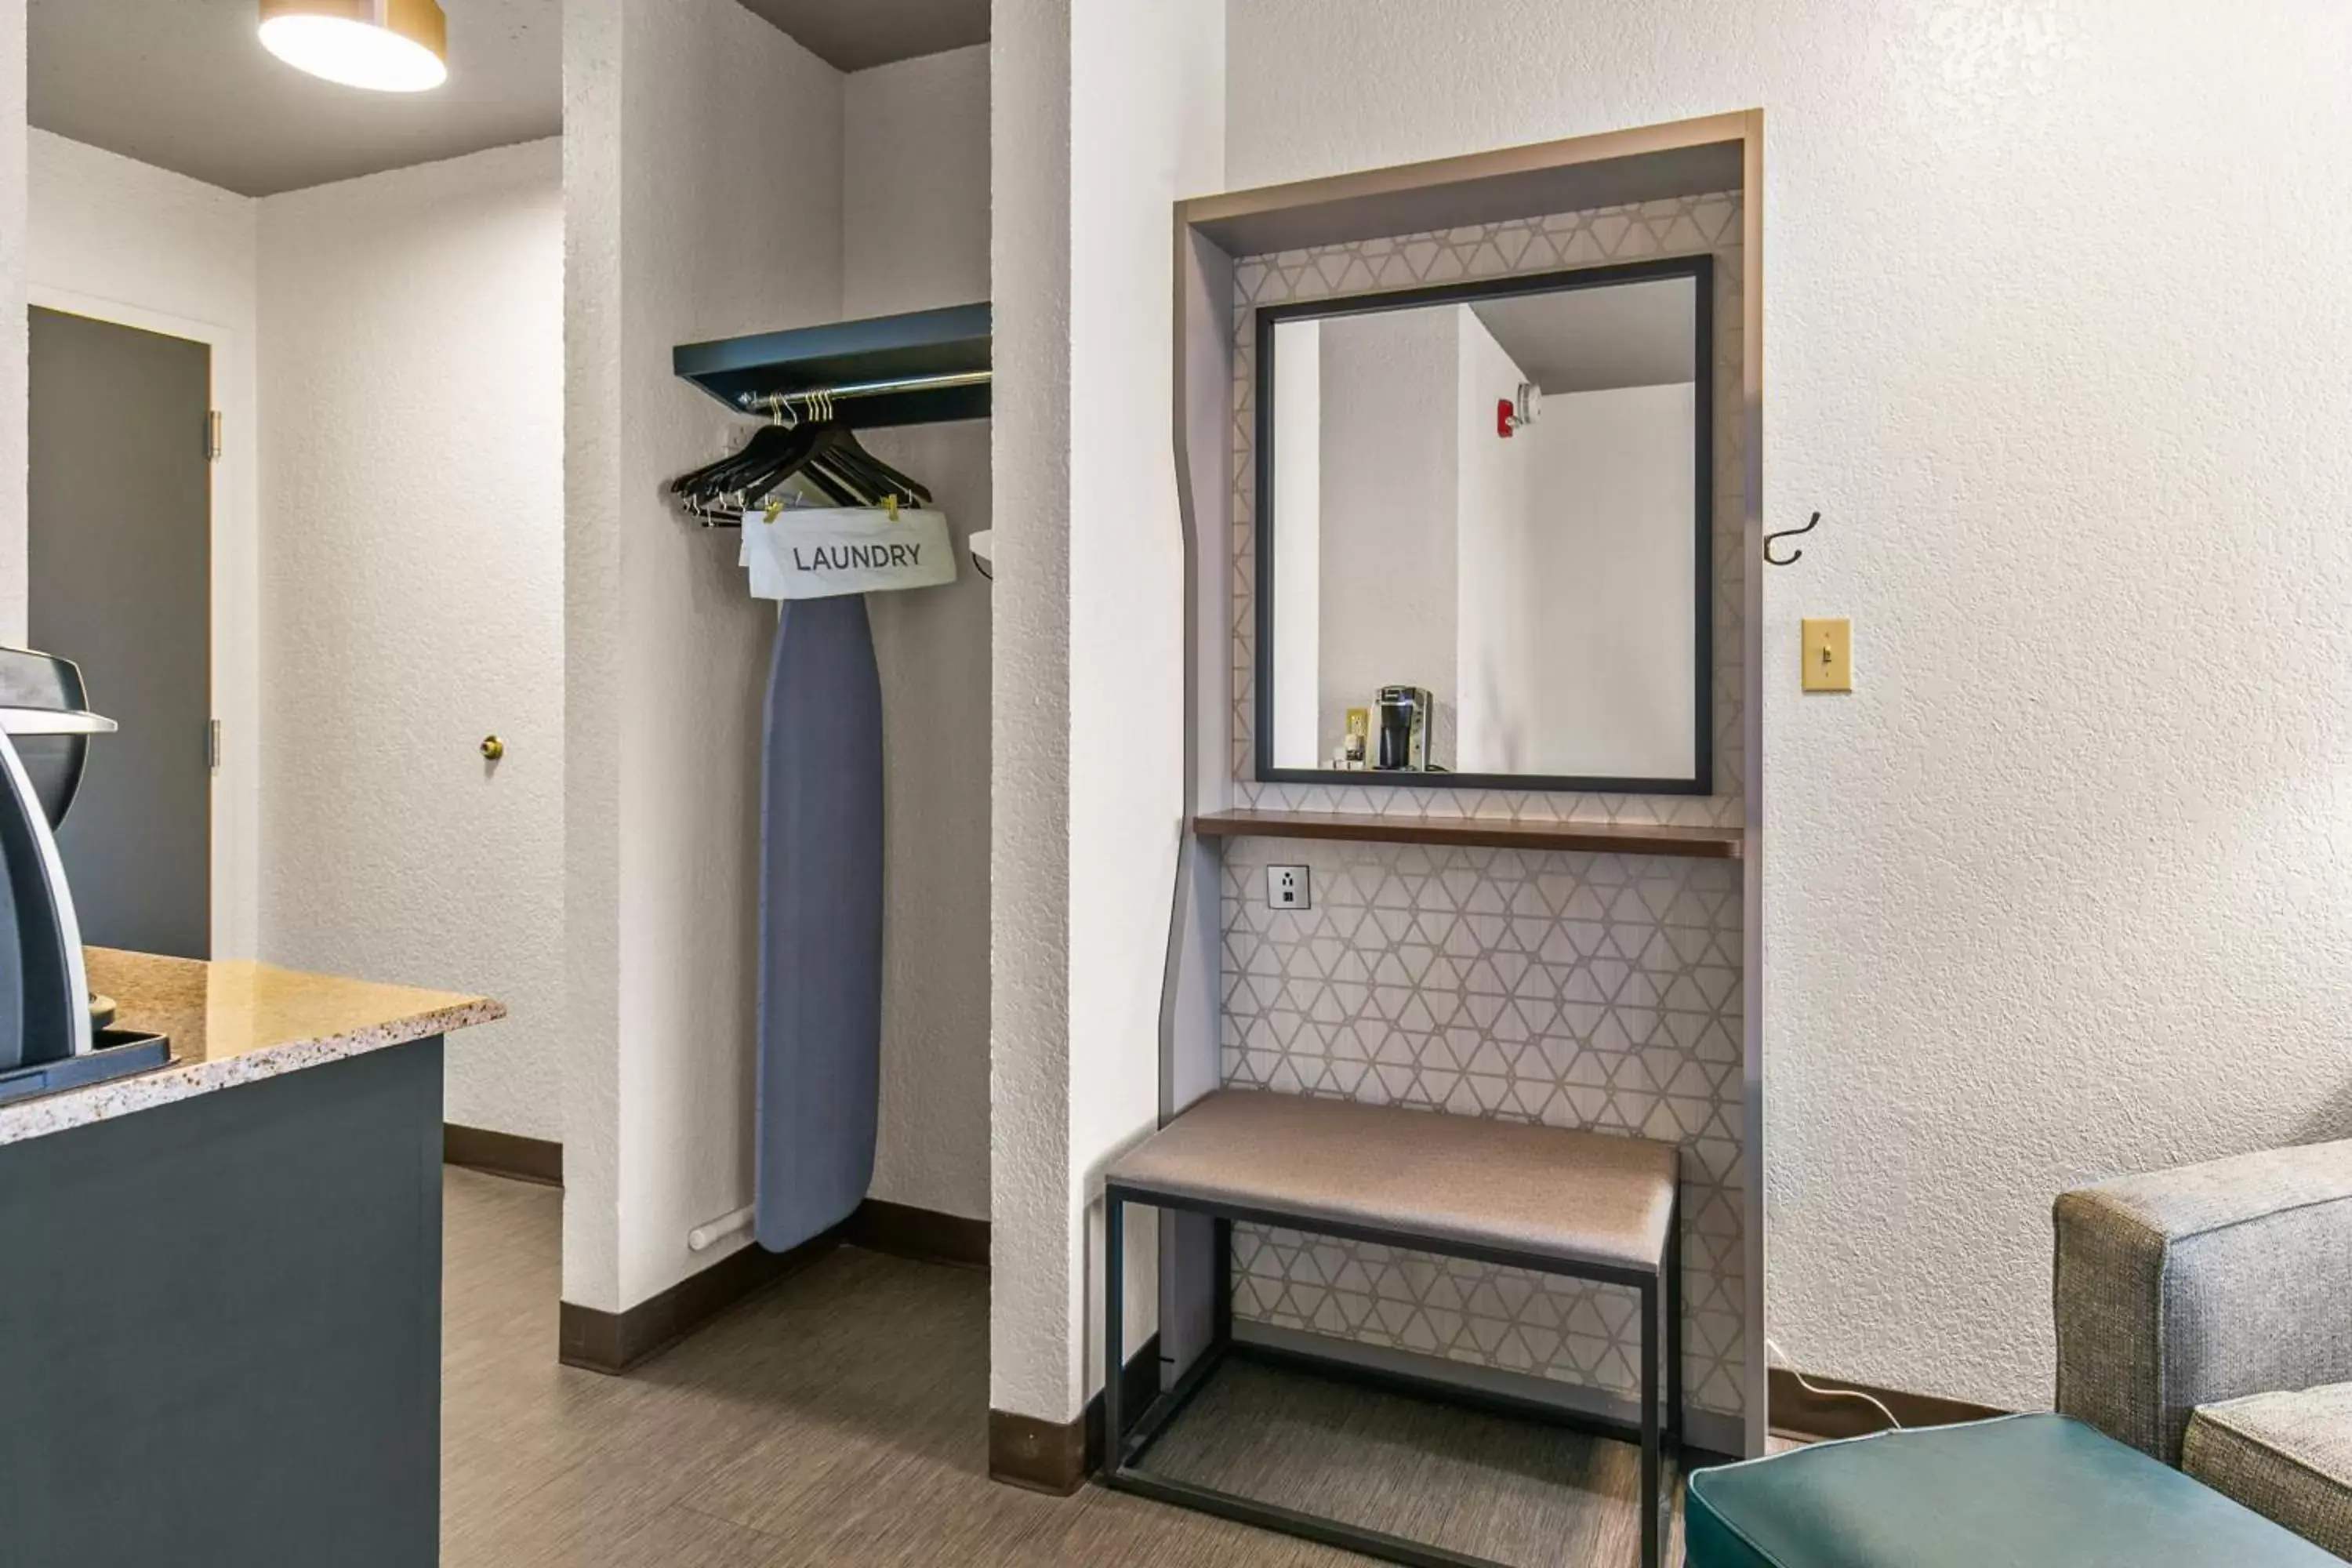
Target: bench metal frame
[{"x": 1657, "y": 1433}]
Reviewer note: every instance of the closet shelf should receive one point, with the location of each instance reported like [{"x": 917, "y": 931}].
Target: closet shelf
[
  {"x": 920, "y": 368},
  {"x": 1488, "y": 833}
]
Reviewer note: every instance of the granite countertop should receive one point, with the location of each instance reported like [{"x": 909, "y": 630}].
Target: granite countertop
[{"x": 233, "y": 1023}]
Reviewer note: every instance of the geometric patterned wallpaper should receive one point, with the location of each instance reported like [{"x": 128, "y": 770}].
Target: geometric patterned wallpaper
[
  {"x": 1579, "y": 990},
  {"x": 1570, "y": 989}
]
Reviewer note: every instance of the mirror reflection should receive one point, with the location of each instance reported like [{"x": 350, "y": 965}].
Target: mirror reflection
[{"x": 1484, "y": 540}]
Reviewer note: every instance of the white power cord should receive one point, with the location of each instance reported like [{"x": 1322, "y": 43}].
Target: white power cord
[{"x": 1775, "y": 1355}]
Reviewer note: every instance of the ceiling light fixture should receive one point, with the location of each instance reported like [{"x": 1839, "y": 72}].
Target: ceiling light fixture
[{"x": 385, "y": 46}]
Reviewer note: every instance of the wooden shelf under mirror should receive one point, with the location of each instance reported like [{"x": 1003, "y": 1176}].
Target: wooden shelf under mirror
[{"x": 1476, "y": 831}]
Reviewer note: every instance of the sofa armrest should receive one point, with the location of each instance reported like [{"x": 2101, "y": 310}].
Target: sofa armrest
[{"x": 2208, "y": 1282}]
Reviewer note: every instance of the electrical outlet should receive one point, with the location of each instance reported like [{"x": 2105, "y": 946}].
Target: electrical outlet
[{"x": 1286, "y": 888}]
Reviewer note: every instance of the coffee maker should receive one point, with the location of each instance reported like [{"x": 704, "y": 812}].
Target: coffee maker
[
  {"x": 1401, "y": 725},
  {"x": 48, "y": 1037}
]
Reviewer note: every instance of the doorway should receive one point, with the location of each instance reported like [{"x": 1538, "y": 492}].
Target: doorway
[{"x": 120, "y": 567}]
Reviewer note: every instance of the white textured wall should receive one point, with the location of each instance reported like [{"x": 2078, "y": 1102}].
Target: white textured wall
[
  {"x": 1497, "y": 599},
  {"x": 409, "y": 607},
  {"x": 412, "y": 598},
  {"x": 914, "y": 198},
  {"x": 2060, "y": 890},
  {"x": 680, "y": 226},
  {"x": 1104, "y": 114},
  {"x": 1391, "y": 532},
  {"x": 915, "y": 235},
  {"x": 1037, "y": 1285},
  {"x": 123, "y": 240},
  {"x": 110, "y": 228},
  {"x": 1147, "y": 106},
  {"x": 1609, "y": 581},
  {"x": 594, "y": 379},
  {"x": 13, "y": 202},
  {"x": 1298, "y": 565}
]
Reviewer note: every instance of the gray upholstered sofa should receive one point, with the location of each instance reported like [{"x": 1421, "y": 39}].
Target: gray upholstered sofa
[{"x": 2205, "y": 1317}]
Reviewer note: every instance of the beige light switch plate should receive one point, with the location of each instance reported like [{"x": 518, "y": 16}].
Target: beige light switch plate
[{"x": 1829, "y": 654}]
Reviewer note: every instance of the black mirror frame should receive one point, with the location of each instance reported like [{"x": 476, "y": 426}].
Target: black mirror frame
[{"x": 1700, "y": 268}]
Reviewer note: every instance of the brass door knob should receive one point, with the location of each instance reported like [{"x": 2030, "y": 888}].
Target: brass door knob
[{"x": 493, "y": 748}]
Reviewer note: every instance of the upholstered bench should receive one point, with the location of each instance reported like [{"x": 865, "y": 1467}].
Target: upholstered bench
[
  {"x": 1587, "y": 1205},
  {"x": 2023, "y": 1491}
]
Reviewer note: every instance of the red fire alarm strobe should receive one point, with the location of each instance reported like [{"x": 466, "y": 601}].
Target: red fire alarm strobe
[{"x": 1510, "y": 413}]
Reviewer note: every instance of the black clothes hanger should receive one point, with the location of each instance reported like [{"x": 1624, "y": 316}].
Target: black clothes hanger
[
  {"x": 812, "y": 455},
  {"x": 775, "y": 454},
  {"x": 851, "y": 473},
  {"x": 843, "y": 465},
  {"x": 822, "y": 454},
  {"x": 712, "y": 477},
  {"x": 799, "y": 459},
  {"x": 840, "y": 476},
  {"x": 846, "y": 463},
  {"x": 773, "y": 451},
  {"x": 892, "y": 479}
]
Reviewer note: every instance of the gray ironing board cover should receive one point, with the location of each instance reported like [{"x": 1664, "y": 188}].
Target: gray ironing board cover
[{"x": 819, "y": 985}]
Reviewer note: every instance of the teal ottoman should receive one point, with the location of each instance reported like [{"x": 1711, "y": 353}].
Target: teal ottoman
[{"x": 2024, "y": 1491}]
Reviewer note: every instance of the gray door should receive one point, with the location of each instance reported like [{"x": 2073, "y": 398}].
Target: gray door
[{"x": 121, "y": 569}]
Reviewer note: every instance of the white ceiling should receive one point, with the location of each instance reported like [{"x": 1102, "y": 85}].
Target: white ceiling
[
  {"x": 186, "y": 85},
  {"x": 852, "y": 35},
  {"x": 1589, "y": 340}
]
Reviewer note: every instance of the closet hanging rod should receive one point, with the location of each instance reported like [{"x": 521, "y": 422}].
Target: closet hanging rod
[{"x": 758, "y": 401}]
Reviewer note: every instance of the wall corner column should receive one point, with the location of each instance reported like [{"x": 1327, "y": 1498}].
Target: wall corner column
[{"x": 1102, "y": 116}]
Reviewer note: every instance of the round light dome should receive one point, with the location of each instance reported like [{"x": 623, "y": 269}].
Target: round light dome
[{"x": 383, "y": 46}]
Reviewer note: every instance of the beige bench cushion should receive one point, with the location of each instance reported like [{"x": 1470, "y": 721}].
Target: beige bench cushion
[
  {"x": 2288, "y": 1456},
  {"x": 1572, "y": 1198}
]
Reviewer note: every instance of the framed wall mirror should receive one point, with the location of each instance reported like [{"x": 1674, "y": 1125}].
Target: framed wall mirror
[{"x": 1485, "y": 530}]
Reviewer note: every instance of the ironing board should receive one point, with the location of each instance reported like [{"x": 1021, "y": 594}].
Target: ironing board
[{"x": 819, "y": 985}]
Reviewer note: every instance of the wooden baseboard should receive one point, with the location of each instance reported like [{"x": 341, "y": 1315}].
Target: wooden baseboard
[
  {"x": 1058, "y": 1456},
  {"x": 502, "y": 1153},
  {"x": 1797, "y": 1412},
  {"x": 924, "y": 1235},
  {"x": 613, "y": 1343}
]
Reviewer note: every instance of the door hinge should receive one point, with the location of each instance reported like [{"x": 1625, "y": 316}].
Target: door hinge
[
  {"x": 213, "y": 434},
  {"x": 212, "y": 745}
]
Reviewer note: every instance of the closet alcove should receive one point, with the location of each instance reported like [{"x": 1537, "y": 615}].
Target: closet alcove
[{"x": 836, "y": 898}]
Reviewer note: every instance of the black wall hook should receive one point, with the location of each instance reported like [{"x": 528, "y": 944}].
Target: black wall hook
[{"x": 1794, "y": 555}]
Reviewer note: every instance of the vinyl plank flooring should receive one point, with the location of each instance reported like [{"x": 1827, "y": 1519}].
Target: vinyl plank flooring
[
  {"x": 1115, "y": 1530},
  {"x": 513, "y": 1423},
  {"x": 680, "y": 1538},
  {"x": 1492, "y": 1486},
  {"x": 840, "y": 1417}
]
